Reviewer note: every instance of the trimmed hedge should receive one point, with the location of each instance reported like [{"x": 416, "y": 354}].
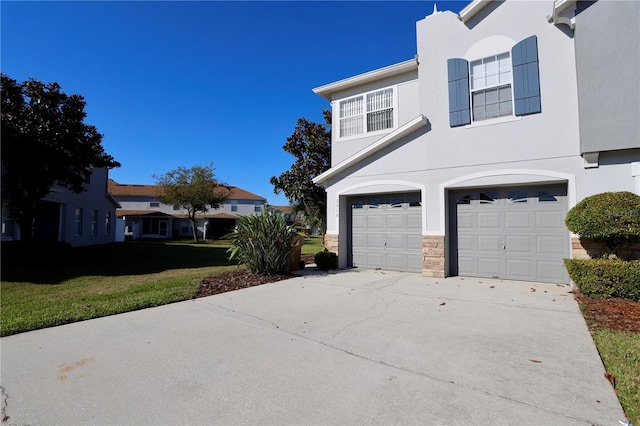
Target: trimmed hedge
[
  {"x": 326, "y": 260},
  {"x": 612, "y": 217},
  {"x": 605, "y": 278}
]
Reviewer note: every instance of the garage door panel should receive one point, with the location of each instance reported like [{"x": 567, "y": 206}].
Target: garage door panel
[
  {"x": 553, "y": 245},
  {"x": 465, "y": 221},
  {"x": 519, "y": 268},
  {"x": 467, "y": 242},
  {"x": 375, "y": 260},
  {"x": 414, "y": 242},
  {"x": 414, "y": 222},
  {"x": 386, "y": 232},
  {"x": 467, "y": 265},
  {"x": 512, "y": 233},
  {"x": 375, "y": 222},
  {"x": 395, "y": 222},
  {"x": 359, "y": 241},
  {"x": 396, "y": 261},
  {"x": 519, "y": 244},
  {"x": 489, "y": 267},
  {"x": 549, "y": 270},
  {"x": 551, "y": 220},
  {"x": 489, "y": 220},
  {"x": 375, "y": 241},
  {"x": 396, "y": 242},
  {"x": 414, "y": 262},
  {"x": 518, "y": 220},
  {"x": 490, "y": 243}
]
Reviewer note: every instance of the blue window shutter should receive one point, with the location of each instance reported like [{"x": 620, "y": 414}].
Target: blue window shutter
[
  {"x": 526, "y": 78},
  {"x": 459, "y": 111}
]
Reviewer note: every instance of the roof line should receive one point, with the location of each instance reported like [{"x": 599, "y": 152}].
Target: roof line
[
  {"x": 389, "y": 71},
  {"x": 410, "y": 127}
]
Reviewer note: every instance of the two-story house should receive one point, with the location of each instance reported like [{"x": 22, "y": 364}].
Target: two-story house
[
  {"x": 465, "y": 159},
  {"x": 82, "y": 219},
  {"x": 147, "y": 217}
]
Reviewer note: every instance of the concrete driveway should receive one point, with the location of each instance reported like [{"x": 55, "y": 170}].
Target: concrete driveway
[{"x": 353, "y": 347}]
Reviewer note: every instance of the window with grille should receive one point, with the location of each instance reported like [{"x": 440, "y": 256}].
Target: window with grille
[
  {"x": 371, "y": 112},
  {"x": 94, "y": 222},
  {"x": 77, "y": 222},
  {"x": 490, "y": 80}
]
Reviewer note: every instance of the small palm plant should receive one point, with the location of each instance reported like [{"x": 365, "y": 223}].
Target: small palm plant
[{"x": 263, "y": 243}]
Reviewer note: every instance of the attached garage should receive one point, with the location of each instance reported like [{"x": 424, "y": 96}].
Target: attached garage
[
  {"x": 513, "y": 233},
  {"x": 386, "y": 232}
]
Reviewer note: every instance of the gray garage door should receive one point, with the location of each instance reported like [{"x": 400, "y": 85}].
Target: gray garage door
[
  {"x": 386, "y": 232},
  {"x": 510, "y": 233}
]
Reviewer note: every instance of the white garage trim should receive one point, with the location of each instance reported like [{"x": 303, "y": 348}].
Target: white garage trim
[
  {"x": 502, "y": 177},
  {"x": 382, "y": 187}
]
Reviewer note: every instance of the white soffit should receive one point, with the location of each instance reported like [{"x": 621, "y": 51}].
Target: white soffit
[
  {"x": 410, "y": 127},
  {"x": 392, "y": 70}
]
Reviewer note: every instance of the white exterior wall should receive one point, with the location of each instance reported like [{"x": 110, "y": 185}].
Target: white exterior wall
[
  {"x": 537, "y": 148},
  {"x": 95, "y": 198},
  {"x": 406, "y": 87}
]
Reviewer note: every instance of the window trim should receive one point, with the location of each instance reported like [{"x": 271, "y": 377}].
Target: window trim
[
  {"x": 363, "y": 95},
  {"x": 485, "y": 88}
]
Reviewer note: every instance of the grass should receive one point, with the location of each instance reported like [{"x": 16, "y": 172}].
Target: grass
[
  {"x": 105, "y": 280},
  {"x": 110, "y": 279},
  {"x": 312, "y": 244},
  {"x": 620, "y": 353}
]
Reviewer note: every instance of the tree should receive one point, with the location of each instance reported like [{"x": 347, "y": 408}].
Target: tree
[
  {"x": 310, "y": 143},
  {"x": 44, "y": 142},
  {"x": 195, "y": 190}
]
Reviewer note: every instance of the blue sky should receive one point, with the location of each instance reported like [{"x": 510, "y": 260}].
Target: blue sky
[{"x": 173, "y": 84}]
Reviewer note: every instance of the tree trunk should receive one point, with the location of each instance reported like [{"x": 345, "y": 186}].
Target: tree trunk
[{"x": 194, "y": 229}]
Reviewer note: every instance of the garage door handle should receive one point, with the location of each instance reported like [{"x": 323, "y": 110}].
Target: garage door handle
[{"x": 504, "y": 245}]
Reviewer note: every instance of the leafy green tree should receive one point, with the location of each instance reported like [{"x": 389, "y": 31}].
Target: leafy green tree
[
  {"x": 310, "y": 144},
  {"x": 195, "y": 190},
  {"x": 611, "y": 217},
  {"x": 263, "y": 243},
  {"x": 45, "y": 141}
]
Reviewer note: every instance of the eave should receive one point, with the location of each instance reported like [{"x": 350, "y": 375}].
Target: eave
[
  {"x": 472, "y": 9},
  {"x": 384, "y": 142},
  {"x": 392, "y": 70}
]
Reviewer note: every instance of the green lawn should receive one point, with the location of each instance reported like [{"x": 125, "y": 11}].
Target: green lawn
[
  {"x": 620, "y": 353},
  {"x": 110, "y": 279},
  {"x": 105, "y": 280}
]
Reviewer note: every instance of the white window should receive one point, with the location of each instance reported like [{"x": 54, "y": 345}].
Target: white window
[
  {"x": 154, "y": 204},
  {"x": 94, "y": 222},
  {"x": 77, "y": 230},
  {"x": 490, "y": 80},
  {"x": 234, "y": 205},
  {"x": 257, "y": 206},
  {"x": 371, "y": 112}
]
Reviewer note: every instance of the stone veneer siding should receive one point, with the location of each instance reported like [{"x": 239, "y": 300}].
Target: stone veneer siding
[
  {"x": 585, "y": 248},
  {"x": 331, "y": 242},
  {"x": 433, "y": 259}
]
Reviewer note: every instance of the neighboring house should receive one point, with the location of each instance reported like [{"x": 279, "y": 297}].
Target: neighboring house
[
  {"x": 466, "y": 159},
  {"x": 147, "y": 217},
  {"x": 83, "y": 219}
]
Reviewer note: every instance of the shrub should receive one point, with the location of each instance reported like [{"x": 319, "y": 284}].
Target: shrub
[
  {"x": 262, "y": 243},
  {"x": 326, "y": 260},
  {"x": 613, "y": 217},
  {"x": 605, "y": 278}
]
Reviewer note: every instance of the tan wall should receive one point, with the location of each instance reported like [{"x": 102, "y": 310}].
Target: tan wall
[
  {"x": 331, "y": 242},
  {"x": 433, "y": 256},
  {"x": 585, "y": 248}
]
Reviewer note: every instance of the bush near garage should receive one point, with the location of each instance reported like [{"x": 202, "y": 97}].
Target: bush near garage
[
  {"x": 263, "y": 243},
  {"x": 606, "y": 278},
  {"x": 326, "y": 260},
  {"x": 612, "y": 219}
]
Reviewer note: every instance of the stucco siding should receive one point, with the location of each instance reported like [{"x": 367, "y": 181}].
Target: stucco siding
[{"x": 608, "y": 68}]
